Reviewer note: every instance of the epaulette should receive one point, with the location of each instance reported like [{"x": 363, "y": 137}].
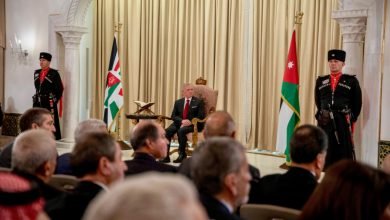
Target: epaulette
[
  {"x": 323, "y": 77},
  {"x": 349, "y": 75}
]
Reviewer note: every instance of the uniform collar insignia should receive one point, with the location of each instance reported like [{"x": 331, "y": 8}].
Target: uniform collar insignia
[{"x": 325, "y": 81}]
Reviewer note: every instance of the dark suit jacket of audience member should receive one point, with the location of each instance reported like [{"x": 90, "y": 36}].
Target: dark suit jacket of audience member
[
  {"x": 196, "y": 111},
  {"x": 63, "y": 164},
  {"x": 143, "y": 162},
  {"x": 290, "y": 190},
  {"x": 5, "y": 156},
  {"x": 215, "y": 209},
  {"x": 48, "y": 192},
  {"x": 73, "y": 205}
]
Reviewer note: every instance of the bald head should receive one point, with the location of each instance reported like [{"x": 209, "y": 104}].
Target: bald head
[{"x": 219, "y": 123}]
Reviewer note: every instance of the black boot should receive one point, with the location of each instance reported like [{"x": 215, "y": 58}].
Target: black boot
[
  {"x": 181, "y": 157},
  {"x": 165, "y": 159}
]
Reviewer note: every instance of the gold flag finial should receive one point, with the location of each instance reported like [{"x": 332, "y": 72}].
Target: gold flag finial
[
  {"x": 298, "y": 17},
  {"x": 118, "y": 27}
]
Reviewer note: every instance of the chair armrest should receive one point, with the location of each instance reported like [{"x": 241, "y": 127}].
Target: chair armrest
[{"x": 195, "y": 122}]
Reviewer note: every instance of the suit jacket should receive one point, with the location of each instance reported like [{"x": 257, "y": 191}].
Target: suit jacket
[
  {"x": 63, "y": 165},
  {"x": 143, "y": 162},
  {"x": 73, "y": 205},
  {"x": 215, "y": 209},
  {"x": 290, "y": 190},
  {"x": 196, "y": 111}
]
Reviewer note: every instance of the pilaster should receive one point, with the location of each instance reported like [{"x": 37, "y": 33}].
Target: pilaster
[
  {"x": 353, "y": 30},
  {"x": 71, "y": 36}
]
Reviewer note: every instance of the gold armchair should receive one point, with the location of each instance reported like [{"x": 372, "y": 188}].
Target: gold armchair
[{"x": 209, "y": 97}]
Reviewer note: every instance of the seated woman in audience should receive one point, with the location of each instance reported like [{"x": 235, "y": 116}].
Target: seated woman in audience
[{"x": 350, "y": 190}]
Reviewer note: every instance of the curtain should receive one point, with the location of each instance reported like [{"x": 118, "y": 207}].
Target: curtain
[
  {"x": 165, "y": 43},
  {"x": 273, "y": 27}
]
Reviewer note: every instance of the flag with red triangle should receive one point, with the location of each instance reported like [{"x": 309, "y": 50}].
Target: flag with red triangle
[
  {"x": 289, "y": 113},
  {"x": 113, "y": 101}
]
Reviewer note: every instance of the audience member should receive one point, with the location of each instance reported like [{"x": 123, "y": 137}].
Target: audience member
[
  {"x": 184, "y": 110},
  {"x": 292, "y": 189},
  {"x": 87, "y": 126},
  {"x": 34, "y": 157},
  {"x": 33, "y": 118},
  {"x": 84, "y": 127},
  {"x": 151, "y": 196},
  {"x": 20, "y": 199},
  {"x": 220, "y": 172},
  {"x": 350, "y": 190},
  {"x": 149, "y": 143},
  {"x": 219, "y": 123},
  {"x": 97, "y": 161}
]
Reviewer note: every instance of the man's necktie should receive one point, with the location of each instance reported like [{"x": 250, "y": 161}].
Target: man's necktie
[{"x": 186, "y": 108}]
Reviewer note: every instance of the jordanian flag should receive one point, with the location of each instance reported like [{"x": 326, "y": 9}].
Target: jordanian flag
[
  {"x": 113, "y": 100},
  {"x": 289, "y": 114}
]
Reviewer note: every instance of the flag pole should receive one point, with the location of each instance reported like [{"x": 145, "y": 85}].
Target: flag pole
[
  {"x": 122, "y": 144},
  {"x": 297, "y": 27},
  {"x": 295, "y": 45}
]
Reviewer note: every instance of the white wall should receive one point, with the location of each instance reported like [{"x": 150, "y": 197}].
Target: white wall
[
  {"x": 30, "y": 24},
  {"x": 33, "y": 23},
  {"x": 385, "y": 116}
]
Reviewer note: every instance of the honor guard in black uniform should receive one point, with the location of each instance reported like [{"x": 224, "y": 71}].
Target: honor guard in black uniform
[
  {"x": 338, "y": 98},
  {"x": 49, "y": 88}
]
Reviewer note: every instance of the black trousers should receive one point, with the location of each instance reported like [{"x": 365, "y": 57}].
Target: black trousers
[
  {"x": 181, "y": 134},
  {"x": 345, "y": 148}
]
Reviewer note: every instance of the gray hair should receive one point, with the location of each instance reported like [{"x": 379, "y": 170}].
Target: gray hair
[
  {"x": 32, "y": 149},
  {"x": 89, "y": 125},
  {"x": 149, "y": 196},
  {"x": 215, "y": 159}
]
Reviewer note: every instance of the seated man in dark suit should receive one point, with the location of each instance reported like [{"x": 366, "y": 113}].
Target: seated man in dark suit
[
  {"x": 97, "y": 161},
  {"x": 33, "y": 118},
  {"x": 34, "y": 157},
  {"x": 308, "y": 147},
  {"x": 149, "y": 143},
  {"x": 184, "y": 110},
  {"x": 220, "y": 172}
]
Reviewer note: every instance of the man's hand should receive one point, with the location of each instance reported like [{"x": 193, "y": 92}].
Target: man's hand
[{"x": 185, "y": 123}]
